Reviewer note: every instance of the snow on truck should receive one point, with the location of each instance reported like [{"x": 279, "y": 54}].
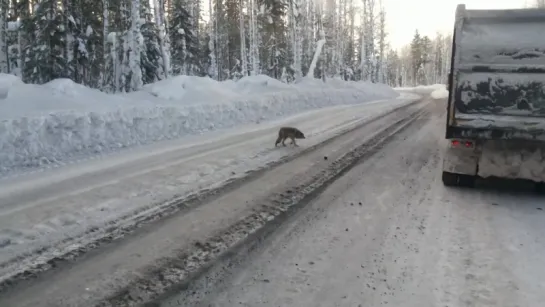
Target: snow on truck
[{"x": 496, "y": 105}]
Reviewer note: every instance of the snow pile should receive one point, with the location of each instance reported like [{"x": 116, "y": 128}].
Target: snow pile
[
  {"x": 436, "y": 90},
  {"x": 259, "y": 84},
  {"x": 7, "y": 82},
  {"x": 191, "y": 89},
  {"x": 440, "y": 93},
  {"x": 62, "y": 121},
  {"x": 428, "y": 89}
]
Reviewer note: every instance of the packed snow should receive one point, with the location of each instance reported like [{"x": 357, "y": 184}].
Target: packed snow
[
  {"x": 425, "y": 89},
  {"x": 440, "y": 93},
  {"x": 502, "y": 41},
  {"x": 47, "y": 125}
]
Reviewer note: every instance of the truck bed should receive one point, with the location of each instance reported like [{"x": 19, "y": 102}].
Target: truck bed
[{"x": 497, "y": 86}]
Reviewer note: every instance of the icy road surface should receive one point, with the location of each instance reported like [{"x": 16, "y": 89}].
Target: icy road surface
[{"x": 388, "y": 233}]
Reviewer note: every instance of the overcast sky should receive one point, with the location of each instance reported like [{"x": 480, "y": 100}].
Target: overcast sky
[{"x": 430, "y": 16}]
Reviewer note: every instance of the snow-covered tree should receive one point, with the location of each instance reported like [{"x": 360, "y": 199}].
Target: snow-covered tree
[
  {"x": 151, "y": 57},
  {"x": 45, "y": 44},
  {"x": 368, "y": 57},
  {"x": 134, "y": 45},
  {"x": 381, "y": 44},
  {"x": 424, "y": 61},
  {"x": 274, "y": 41},
  {"x": 184, "y": 44},
  {"x": 4, "y": 50},
  {"x": 120, "y": 45}
]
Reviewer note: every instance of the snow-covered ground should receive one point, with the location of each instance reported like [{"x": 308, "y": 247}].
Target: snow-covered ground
[
  {"x": 388, "y": 233},
  {"x": 63, "y": 208},
  {"x": 438, "y": 91},
  {"x": 49, "y": 125}
]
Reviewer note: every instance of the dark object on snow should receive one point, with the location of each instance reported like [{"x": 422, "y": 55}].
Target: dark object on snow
[
  {"x": 325, "y": 157},
  {"x": 288, "y": 132}
]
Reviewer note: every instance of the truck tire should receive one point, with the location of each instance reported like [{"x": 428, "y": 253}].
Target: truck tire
[{"x": 458, "y": 180}]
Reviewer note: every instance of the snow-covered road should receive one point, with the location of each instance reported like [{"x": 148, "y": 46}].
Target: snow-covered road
[
  {"x": 361, "y": 219},
  {"x": 388, "y": 233},
  {"x": 45, "y": 214},
  {"x": 156, "y": 256}
]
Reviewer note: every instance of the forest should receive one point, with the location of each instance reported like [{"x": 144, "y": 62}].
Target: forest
[{"x": 121, "y": 45}]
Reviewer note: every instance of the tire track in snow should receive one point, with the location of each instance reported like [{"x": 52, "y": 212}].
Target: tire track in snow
[
  {"x": 212, "y": 259},
  {"x": 40, "y": 260}
]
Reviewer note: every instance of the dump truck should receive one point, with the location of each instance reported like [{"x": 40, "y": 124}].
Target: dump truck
[{"x": 495, "y": 124}]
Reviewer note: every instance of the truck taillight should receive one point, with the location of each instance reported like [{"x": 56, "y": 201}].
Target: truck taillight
[{"x": 459, "y": 144}]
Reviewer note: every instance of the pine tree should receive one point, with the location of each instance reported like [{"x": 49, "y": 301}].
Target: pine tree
[
  {"x": 44, "y": 44},
  {"x": 83, "y": 41},
  {"x": 232, "y": 18},
  {"x": 151, "y": 56},
  {"x": 218, "y": 41},
  {"x": 379, "y": 70},
  {"x": 351, "y": 44},
  {"x": 392, "y": 69},
  {"x": 4, "y": 8},
  {"x": 416, "y": 56},
  {"x": 368, "y": 41},
  {"x": 424, "y": 61},
  {"x": 184, "y": 44},
  {"x": 273, "y": 51}
]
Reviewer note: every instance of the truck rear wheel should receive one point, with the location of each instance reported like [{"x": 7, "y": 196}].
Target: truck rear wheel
[{"x": 459, "y": 180}]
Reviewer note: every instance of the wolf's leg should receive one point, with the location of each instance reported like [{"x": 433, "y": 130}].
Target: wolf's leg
[
  {"x": 284, "y": 141},
  {"x": 278, "y": 141},
  {"x": 293, "y": 142}
]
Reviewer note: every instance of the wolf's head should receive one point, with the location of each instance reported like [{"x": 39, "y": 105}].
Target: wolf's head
[{"x": 299, "y": 134}]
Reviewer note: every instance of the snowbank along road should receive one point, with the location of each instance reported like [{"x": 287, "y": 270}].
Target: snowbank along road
[{"x": 358, "y": 219}]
